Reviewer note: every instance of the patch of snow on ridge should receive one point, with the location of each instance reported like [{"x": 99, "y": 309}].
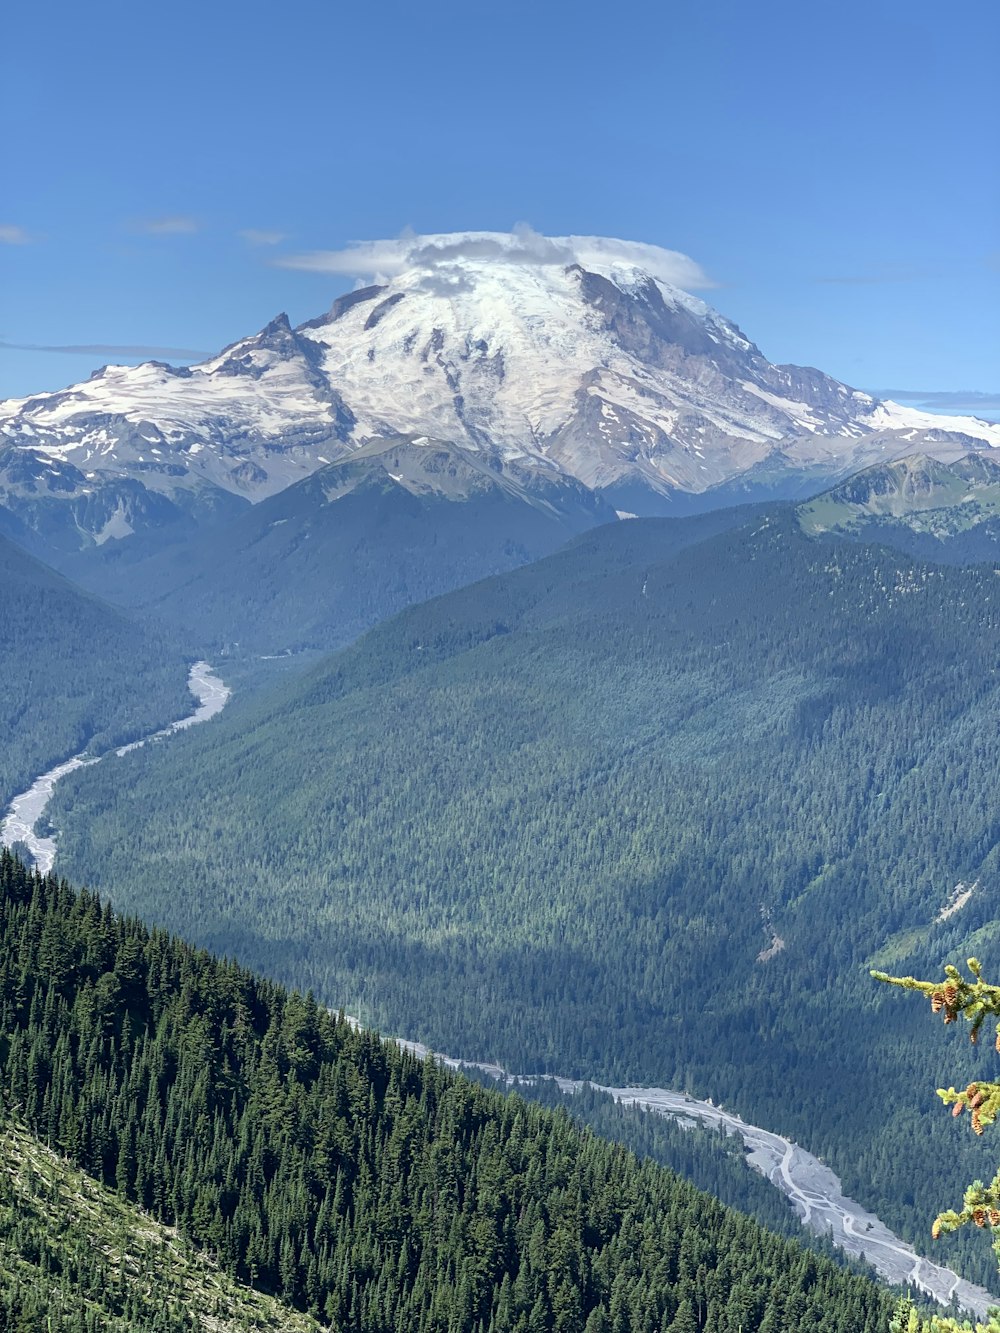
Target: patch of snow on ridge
[{"x": 894, "y": 416}]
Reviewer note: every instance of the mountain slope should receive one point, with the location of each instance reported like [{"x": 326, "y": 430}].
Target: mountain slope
[
  {"x": 568, "y": 353},
  {"x": 372, "y": 1190},
  {"x": 73, "y": 671},
  {"x": 76, "y": 1256},
  {"x": 394, "y": 523},
  {"x": 937, "y": 510},
  {"x": 644, "y": 811}
]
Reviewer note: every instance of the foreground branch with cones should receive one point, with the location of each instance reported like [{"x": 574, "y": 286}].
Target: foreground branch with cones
[{"x": 974, "y": 1001}]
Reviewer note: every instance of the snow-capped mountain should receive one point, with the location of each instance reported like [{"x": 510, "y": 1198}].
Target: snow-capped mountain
[{"x": 566, "y": 356}]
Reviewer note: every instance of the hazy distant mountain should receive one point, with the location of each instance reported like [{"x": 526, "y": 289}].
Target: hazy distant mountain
[
  {"x": 550, "y": 356},
  {"x": 945, "y": 511},
  {"x": 392, "y": 524}
]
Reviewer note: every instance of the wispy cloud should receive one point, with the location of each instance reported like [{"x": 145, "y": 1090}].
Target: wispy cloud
[
  {"x": 254, "y": 236},
  {"x": 175, "y": 225},
  {"x": 129, "y": 350},
  {"x": 443, "y": 253},
  {"x": 13, "y": 235}
]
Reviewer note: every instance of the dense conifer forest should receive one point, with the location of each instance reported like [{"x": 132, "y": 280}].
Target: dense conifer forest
[
  {"x": 345, "y": 1177},
  {"x": 645, "y": 811},
  {"x": 73, "y": 672},
  {"x": 711, "y": 1159}
]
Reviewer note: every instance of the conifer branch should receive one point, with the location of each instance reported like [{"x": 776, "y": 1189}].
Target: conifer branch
[{"x": 974, "y": 1000}]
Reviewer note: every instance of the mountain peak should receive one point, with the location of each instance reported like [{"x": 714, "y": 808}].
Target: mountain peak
[
  {"x": 586, "y": 355},
  {"x": 277, "y": 327}
]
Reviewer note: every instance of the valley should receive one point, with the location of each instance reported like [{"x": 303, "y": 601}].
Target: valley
[
  {"x": 18, "y": 826},
  {"x": 602, "y": 700},
  {"x": 817, "y": 1196},
  {"x": 484, "y": 778},
  {"x": 814, "y": 1190},
  {"x": 375, "y": 1188}
]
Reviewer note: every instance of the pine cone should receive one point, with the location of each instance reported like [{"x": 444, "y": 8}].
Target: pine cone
[{"x": 979, "y": 1216}]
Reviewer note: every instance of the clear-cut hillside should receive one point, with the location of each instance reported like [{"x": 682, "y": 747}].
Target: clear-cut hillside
[{"x": 566, "y": 355}]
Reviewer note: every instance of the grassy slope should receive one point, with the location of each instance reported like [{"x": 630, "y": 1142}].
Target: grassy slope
[{"x": 135, "y": 1270}]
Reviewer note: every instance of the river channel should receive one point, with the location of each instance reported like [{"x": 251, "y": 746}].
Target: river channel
[
  {"x": 25, "y": 810},
  {"x": 814, "y": 1190}
]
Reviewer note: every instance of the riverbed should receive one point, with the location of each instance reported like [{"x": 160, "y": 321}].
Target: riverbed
[
  {"x": 812, "y": 1187},
  {"x": 25, "y": 810}
]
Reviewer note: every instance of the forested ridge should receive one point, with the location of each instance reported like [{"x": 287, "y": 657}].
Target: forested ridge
[
  {"x": 331, "y": 555},
  {"x": 555, "y": 819},
  {"x": 344, "y": 1176},
  {"x": 712, "y": 1159},
  {"x": 74, "y": 672}
]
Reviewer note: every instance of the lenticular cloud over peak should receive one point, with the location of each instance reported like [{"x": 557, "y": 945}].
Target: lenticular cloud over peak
[{"x": 388, "y": 258}]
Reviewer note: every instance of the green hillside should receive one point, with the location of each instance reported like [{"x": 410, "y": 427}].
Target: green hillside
[
  {"x": 934, "y": 510},
  {"x": 73, "y": 672},
  {"x": 76, "y": 1256},
  {"x": 373, "y": 1191},
  {"x": 644, "y": 811}
]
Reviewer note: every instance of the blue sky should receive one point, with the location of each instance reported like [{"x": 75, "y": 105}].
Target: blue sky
[{"x": 833, "y": 168}]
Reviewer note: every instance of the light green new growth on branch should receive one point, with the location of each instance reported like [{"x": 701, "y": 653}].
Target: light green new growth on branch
[{"x": 973, "y": 1000}]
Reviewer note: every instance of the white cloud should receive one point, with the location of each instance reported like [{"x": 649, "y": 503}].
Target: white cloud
[
  {"x": 969, "y": 400},
  {"x": 168, "y": 226},
  {"x": 254, "y": 236},
  {"x": 362, "y": 259},
  {"x": 387, "y": 259},
  {"x": 12, "y": 235}
]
